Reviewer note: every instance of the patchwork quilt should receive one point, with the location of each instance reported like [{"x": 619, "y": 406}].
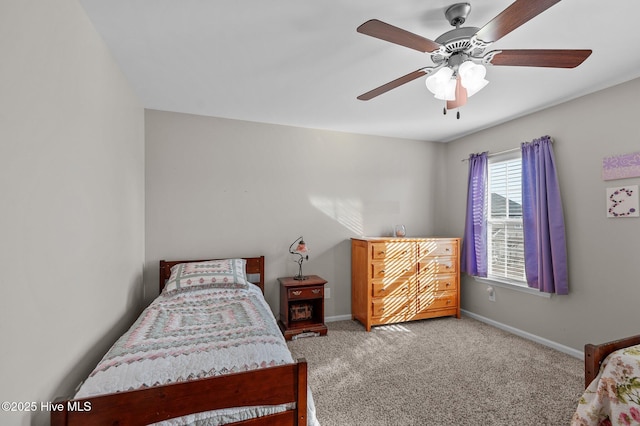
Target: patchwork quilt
[{"x": 194, "y": 334}]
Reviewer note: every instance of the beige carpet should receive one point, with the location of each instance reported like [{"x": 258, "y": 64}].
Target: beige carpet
[{"x": 441, "y": 371}]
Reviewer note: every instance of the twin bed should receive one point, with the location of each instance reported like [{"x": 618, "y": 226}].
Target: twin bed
[
  {"x": 206, "y": 351},
  {"x": 612, "y": 381}
]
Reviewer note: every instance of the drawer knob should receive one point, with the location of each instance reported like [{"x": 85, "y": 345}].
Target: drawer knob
[
  {"x": 316, "y": 291},
  {"x": 297, "y": 292},
  {"x": 380, "y": 252}
]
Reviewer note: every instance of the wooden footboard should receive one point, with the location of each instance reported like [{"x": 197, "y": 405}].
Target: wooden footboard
[
  {"x": 595, "y": 354},
  {"x": 266, "y": 386}
]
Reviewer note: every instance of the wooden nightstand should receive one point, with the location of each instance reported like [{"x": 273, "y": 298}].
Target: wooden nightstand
[{"x": 302, "y": 306}]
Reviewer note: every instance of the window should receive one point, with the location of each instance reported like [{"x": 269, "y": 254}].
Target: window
[{"x": 505, "y": 242}]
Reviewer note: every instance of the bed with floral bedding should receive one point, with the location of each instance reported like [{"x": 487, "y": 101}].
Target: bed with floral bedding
[
  {"x": 206, "y": 351},
  {"x": 613, "y": 396}
]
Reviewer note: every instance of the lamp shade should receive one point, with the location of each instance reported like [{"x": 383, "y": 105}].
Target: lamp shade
[
  {"x": 442, "y": 85},
  {"x": 302, "y": 247},
  {"x": 472, "y": 77}
]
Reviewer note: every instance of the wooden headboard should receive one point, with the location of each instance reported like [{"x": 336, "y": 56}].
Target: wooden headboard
[
  {"x": 595, "y": 354},
  {"x": 255, "y": 266}
]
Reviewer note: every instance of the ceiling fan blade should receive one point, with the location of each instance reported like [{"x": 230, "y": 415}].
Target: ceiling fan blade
[
  {"x": 517, "y": 14},
  {"x": 551, "y": 58},
  {"x": 387, "y": 32},
  {"x": 393, "y": 84}
]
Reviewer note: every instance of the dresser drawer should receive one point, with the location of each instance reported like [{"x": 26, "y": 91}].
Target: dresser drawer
[
  {"x": 440, "y": 300},
  {"x": 437, "y": 248},
  {"x": 315, "y": 292},
  {"x": 432, "y": 283},
  {"x": 393, "y": 268},
  {"x": 392, "y": 250},
  {"x": 396, "y": 307},
  {"x": 384, "y": 288},
  {"x": 437, "y": 265}
]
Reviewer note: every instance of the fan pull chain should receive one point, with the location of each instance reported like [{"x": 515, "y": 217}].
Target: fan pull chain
[{"x": 444, "y": 112}]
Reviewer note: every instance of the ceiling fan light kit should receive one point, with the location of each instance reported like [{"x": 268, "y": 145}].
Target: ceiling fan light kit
[
  {"x": 459, "y": 56},
  {"x": 443, "y": 83}
]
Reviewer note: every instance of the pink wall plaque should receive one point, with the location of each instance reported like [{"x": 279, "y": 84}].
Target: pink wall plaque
[{"x": 621, "y": 166}]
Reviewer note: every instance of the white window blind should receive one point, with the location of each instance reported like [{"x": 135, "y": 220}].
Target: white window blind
[{"x": 506, "y": 239}]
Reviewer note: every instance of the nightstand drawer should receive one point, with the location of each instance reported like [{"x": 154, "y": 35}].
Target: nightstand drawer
[{"x": 306, "y": 293}]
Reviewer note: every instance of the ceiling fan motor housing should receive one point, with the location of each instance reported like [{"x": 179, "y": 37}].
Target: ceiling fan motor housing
[
  {"x": 454, "y": 41},
  {"x": 457, "y": 14}
]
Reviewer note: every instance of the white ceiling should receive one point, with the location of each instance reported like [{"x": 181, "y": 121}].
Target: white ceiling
[{"x": 302, "y": 63}]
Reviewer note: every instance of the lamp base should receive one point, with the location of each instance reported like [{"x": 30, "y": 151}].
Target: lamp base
[{"x": 300, "y": 278}]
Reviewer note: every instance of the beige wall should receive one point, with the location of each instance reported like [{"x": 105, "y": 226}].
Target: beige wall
[
  {"x": 602, "y": 253},
  {"x": 330, "y": 186},
  {"x": 72, "y": 209},
  {"x": 218, "y": 187}
]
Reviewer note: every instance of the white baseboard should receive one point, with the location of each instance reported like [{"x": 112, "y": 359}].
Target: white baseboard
[
  {"x": 337, "y": 318},
  {"x": 557, "y": 346}
]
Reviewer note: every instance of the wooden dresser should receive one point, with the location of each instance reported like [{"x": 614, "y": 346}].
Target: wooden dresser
[{"x": 404, "y": 279}]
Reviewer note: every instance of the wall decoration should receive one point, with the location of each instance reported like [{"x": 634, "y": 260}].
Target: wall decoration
[
  {"x": 623, "y": 201},
  {"x": 621, "y": 166}
]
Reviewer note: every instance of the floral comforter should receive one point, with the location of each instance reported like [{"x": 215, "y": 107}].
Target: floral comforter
[
  {"x": 613, "y": 397},
  {"x": 191, "y": 335}
]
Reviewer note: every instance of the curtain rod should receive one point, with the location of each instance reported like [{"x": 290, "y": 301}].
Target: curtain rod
[
  {"x": 506, "y": 151},
  {"x": 492, "y": 154}
]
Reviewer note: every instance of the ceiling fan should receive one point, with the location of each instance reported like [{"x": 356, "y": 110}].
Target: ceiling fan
[{"x": 459, "y": 54}]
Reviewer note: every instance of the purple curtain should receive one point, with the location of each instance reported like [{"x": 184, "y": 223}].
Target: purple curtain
[
  {"x": 545, "y": 248},
  {"x": 474, "y": 243}
]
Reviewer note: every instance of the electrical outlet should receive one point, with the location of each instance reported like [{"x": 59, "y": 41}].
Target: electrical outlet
[
  {"x": 327, "y": 293},
  {"x": 492, "y": 294}
]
